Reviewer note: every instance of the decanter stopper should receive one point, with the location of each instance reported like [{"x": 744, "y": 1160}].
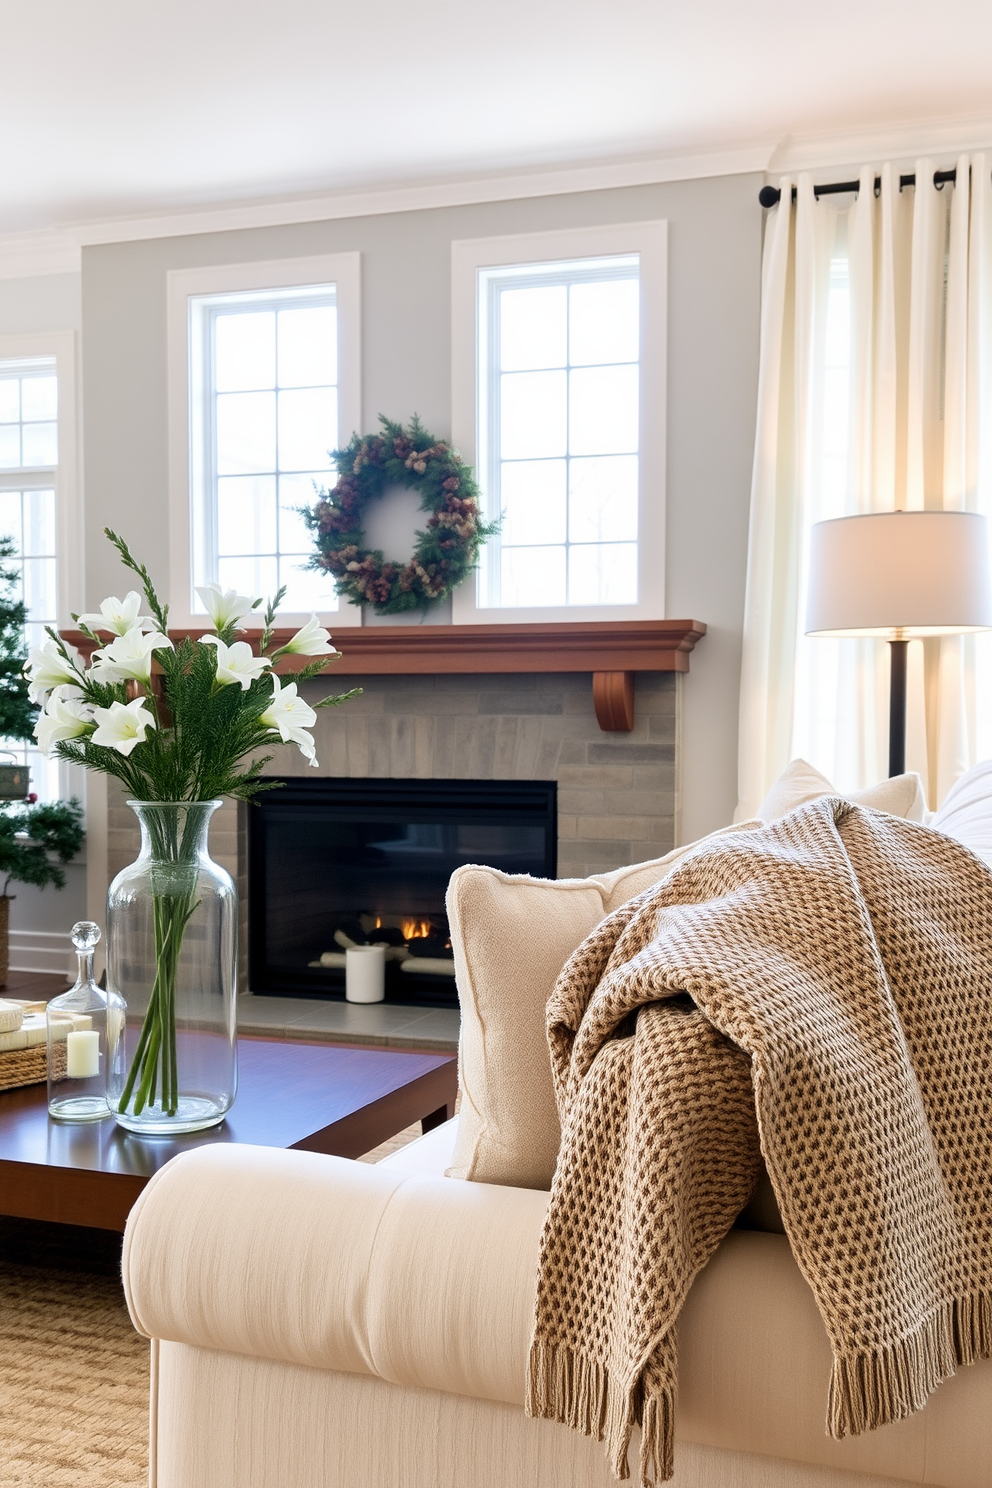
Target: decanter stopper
[{"x": 85, "y": 937}]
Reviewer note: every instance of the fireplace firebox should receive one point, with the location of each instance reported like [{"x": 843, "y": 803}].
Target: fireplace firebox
[{"x": 334, "y": 862}]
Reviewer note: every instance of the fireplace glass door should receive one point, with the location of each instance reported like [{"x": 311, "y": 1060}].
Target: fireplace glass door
[{"x": 340, "y": 862}]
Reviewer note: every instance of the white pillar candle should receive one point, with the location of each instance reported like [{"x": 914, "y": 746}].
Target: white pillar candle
[
  {"x": 82, "y": 1055},
  {"x": 365, "y": 973}
]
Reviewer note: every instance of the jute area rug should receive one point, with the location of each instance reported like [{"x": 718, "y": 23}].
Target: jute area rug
[{"x": 73, "y": 1372}]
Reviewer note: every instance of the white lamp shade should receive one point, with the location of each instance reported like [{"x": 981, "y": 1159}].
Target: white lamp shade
[{"x": 899, "y": 575}]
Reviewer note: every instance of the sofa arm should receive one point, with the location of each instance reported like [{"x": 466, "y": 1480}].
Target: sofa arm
[{"x": 319, "y": 1261}]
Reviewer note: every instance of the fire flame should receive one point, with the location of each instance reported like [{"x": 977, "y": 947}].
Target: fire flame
[{"x": 415, "y": 929}]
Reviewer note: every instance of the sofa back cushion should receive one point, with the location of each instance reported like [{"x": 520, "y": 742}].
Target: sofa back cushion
[
  {"x": 966, "y": 814},
  {"x": 800, "y": 782}
]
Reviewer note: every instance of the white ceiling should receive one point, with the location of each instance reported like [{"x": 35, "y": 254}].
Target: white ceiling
[{"x": 123, "y": 107}]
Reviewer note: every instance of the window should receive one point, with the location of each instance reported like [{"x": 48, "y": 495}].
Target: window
[
  {"x": 31, "y": 483},
  {"x": 269, "y": 390},
  {"x": 567, "y": 363}
]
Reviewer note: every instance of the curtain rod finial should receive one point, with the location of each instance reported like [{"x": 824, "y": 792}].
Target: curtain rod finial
[{"x": 769, "y": 196}]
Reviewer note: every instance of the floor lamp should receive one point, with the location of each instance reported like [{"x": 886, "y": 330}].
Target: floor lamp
[{"x": 899, "y": 575}]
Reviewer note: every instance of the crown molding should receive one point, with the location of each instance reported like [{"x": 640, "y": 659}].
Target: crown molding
[
  {"x": 897, "y": 142},
  {"x": 30, "y": 254},
  {"x": 377, "y": 201},
  {"x": 58, "y": 250}
]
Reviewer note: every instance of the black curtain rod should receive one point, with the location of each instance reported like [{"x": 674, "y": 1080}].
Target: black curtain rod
[{"x": 769, "y": 196}]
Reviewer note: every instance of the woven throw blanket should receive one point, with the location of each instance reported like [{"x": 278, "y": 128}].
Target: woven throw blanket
[{"x": 818, "y": 991}]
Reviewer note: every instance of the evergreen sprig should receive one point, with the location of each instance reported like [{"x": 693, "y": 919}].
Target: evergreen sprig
[{"x": 205, "y": 731}]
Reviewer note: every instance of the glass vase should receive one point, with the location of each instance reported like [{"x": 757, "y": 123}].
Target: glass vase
[{"x": 172, "y": 956}]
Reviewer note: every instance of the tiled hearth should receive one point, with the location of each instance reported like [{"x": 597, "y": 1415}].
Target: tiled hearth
[{"x": 617, "y": 792}]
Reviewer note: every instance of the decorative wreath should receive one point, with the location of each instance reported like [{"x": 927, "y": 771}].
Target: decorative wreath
[{"x": 446, "y": 551}]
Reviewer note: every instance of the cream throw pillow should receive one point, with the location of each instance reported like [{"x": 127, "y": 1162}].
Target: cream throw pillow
[
  {"x": 799, "y": 782},
  {"x": 511, "y": 936}
]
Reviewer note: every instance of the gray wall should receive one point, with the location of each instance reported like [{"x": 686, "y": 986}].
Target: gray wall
[
  {"x": 48, "y": 302},
  {"x": 714, "y": 241}
]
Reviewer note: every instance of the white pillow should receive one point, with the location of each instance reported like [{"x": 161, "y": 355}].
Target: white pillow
[
  {"x": 799, "y": 782},
  {"x": 966, "y": 814}
]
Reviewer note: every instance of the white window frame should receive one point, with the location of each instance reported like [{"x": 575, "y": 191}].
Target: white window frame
[
  {"x": 469, "y": 367},
  {"x": 64, "y": 477},
  {"x": 186, "y": 403}
]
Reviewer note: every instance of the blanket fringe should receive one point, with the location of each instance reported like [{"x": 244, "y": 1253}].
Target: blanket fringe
[
  {"x": 578, "y": 1392},
  {"x": 887, "y": 1384}
]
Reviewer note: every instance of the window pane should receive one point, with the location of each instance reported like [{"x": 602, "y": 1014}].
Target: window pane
[
  {"x": 39, "y": 524},
  {"x": 602, "y": 415},
  {"x": 246, "y": 514},
  {"x": 532, "y": 496},
  {"x": 40, "y": 444},
  {"x": 602, "y": 573},
  {"x": 10, "y": 446},
  {"x": 532, "y": 327},
  {"x": 246, "y": 433},
  {"x": 296, "y": 491},
  {"x": 44, "y": 775},
  {"x": 308, "y": 423},
  {"x": 245, "y": 351},
  {"x": 308, "y": 346},
  {"x": 532, "y": 576},
  {"x": 34, "y": 633},
  {"x": 39, "y": 397},
  {"x": 10, "y": 517},
  {"x": 603, "y": 322},
  {"x": 533, "y": 415},
  {"x": 10, "y": 400},
  {"x": 307, "y": 589},
  {"x": 602, "y": 499},
  {"x": 39, "y": 588},
  {"x": 254, "y": 576}
]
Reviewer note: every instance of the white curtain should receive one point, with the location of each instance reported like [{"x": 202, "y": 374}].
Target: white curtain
[{"x": 874, "y": 393}]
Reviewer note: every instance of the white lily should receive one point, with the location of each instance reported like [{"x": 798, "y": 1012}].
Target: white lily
[
  {"x": 122, "y": 726},
  {"x": 62, "y": 718},
  {"x": 118, "y": 615},
  {"x": 287, "y": 713},
  {"x": 47, "y": 668},
  {"x": 237, "y": 663},
  {"x": 304, "y": 743},
  {"x": 129, "y": 657},
  {"x": 312, "y": 640},
  {"x": 225, "y": 606}
]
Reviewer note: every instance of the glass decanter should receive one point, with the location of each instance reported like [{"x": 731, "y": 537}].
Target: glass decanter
[{"x": 82, "y": 1026}]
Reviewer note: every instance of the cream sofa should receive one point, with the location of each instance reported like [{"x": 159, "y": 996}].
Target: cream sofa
[{"x": 317, "y": 1323}]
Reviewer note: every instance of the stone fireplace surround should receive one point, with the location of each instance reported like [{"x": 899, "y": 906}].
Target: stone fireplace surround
[
  {"x": 612, "y": 748},
  {"x": 617, "y": 792}
]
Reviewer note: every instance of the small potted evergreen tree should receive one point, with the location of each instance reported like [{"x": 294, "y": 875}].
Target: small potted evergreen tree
[{"x": 35, "y": 839}]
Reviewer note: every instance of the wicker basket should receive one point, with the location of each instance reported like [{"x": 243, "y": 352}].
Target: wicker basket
[{"x": 23, "y": 1067}]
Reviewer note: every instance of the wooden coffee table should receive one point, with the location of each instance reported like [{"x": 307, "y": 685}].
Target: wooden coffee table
[{"x": 311, "y": 1097}]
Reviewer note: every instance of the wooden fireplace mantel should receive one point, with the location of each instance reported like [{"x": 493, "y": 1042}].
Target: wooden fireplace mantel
[{"x": 612, "y": 650}]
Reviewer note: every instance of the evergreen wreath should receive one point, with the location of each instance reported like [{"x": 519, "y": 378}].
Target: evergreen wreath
[{"x": 446, "y": 551}]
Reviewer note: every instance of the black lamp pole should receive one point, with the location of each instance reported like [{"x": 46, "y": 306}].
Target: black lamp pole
[{"x": 897, "y": 707}]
